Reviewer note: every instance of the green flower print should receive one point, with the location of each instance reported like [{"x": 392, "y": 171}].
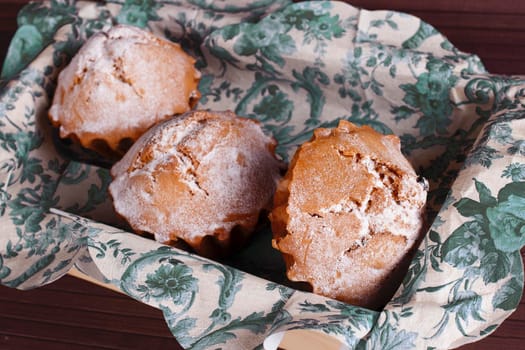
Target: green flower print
[
  {"x": 386, "y": 336},
  {"x": 171, "y": 281},
  {"x": 298, "y": 19},
  {"x": 269, "y": 40},
  {"x": 518, "y": 147},
  {"x": 464, "y": 307},
  {"x": 507, "y": 223},
  {"x": 138, "y": 12},
  {"x": 274, "y": 106},
  {"x": 320, "y": 25},
  {"x": 501, "y": 133},
  {"x": 515, "y": 171},
  {"x": 430, "y": 95},
  {"x": 268, "y": 36},
  {"x": 503, "y": 217},
  {"x": 327, "y": 26}
]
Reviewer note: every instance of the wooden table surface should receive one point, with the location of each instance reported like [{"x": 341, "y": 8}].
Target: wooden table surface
[{"x": 74, "y": 314}]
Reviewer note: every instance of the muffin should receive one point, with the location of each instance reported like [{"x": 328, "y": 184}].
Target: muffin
[
  {"x": 119, "y": 84},
  {"x": 348, "y": 215},
  {"x": 202, "y": 178}
]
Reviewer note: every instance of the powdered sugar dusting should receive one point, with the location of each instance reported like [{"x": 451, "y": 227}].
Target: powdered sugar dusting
[
  {"x": 352, "y": 207},
  {"x": 120, "y": 83},
  {"x": 206, "y": 173}
]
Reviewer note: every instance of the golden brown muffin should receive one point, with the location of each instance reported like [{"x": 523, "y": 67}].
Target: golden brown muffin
[
  {"x": 119, "y": 84},
  {"x": 348, "y": 213},
  {"x": 203, "y": 177}
]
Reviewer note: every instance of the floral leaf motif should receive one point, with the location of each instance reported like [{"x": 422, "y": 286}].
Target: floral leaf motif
[
  {"x": 275, "y": 105},
  {"x": 507, "y": 223},
  {"x": 465, "y": 306},
  {"x": 357, "y": 316},
  {"x": 501, "y": 133},
  {"x": 518, "y": 147},
  {"x": 485, "y": 196},
  {"x": 139, "y": 12},
  {"x": 430, "y": 95},
  {"x": 402, "y": 112},
  {"x": 468, "y": 207},
  {"x": 317, "y": 24},
  {"x": 306, "y": 306},
  {"x": 483, "y": 155},
  {"x": 494, "y": 266},
  {"x": 284, "y": 45},
  {"x": 283, "y": 133},
  {"x": 268, "y": 37},
  {"x": 212, "y": 339},
  {"x": 364, "y": 114},
  {"x": 415, "y": 274},
  {"x": 516, "y": 188},
  {"x": 76, "y": 173},
  {"x": 424, "y": 32},
  {"x": 508, "y": 296},
  {"x": 23, "y": 143},
  {"x": 353, "y": 75},
  {"x": 49, "y": 273},
  {"x": 488, "y": 330},
  {"x": 461, "y": 248},
  {"x": 229, "y": 32},
  {"x": 411, "y": 95},
  {"x": 181, "y": 327},
  {"x": 32, "y": 270},
  {"x": 386, "y": 337},
  {"x": 230, "y": 7},
  {"x": 114, "y": 245},
  {"x": 225, "y": 88},
  {"x": 32, "y": 168},
  {"x": 255, "y": 322},
  {"x": 30, "y": 204}
]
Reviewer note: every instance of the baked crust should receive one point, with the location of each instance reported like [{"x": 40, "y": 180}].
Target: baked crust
[
  {"x": 203, "y": 178},
  {"x": 119, "y": 84},
  {"x": 348, "y": 214}
]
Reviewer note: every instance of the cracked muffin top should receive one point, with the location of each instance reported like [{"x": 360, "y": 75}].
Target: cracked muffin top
[
  {"x": 348, "y": 214},
  {"x": 202, "y": 177},
  {"x": 119, "y": 84}
]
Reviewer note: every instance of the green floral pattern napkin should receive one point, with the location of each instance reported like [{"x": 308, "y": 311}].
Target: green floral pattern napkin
[{"x": 294, "y": 67}]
